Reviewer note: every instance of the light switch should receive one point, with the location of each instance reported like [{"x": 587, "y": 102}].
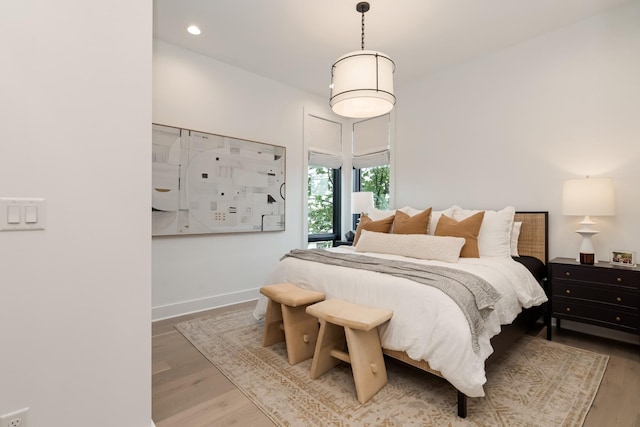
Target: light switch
[
  {"x": 22, "y": 214},
  {"x": 13, "y": 214},
  {"x": 31, "y": 214}
]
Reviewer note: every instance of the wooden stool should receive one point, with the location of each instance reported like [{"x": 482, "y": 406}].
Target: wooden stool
[
  {"x": 286, "y": 320},
  {"x": 359, "y": 324}
]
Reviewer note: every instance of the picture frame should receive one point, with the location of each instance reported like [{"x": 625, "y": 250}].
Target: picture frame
[
  {"x": 205, "y": 183},
  {"x": 623, "y": 258}
]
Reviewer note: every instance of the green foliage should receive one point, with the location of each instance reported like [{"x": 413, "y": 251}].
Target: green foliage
[
  {"x": 320, "y": 194},
  {"x": 326, "y": 244},
  {"x": 320, "y": 200},
  {"x": 376, "y": 180}
]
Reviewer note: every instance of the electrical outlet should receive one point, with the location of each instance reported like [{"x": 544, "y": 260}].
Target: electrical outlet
[{"x": 15, "y": 419}]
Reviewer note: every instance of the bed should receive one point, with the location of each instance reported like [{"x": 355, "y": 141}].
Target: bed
[{"x": 430, "y": 330}]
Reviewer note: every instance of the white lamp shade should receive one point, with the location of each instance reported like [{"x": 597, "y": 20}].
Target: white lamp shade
[
  {"x": 361, "y": 202},
  {"x": 362, "y": 84},
  {"x": 589, "y": 197}
]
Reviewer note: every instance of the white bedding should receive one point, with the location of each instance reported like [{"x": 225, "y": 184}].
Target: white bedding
[{"x": 426, "y": 323}]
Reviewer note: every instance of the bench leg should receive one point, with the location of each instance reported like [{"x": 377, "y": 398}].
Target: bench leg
[
  {"x": 367, "y": 362},
  {"x": 331, "y": 337},
  {"x": 301, "y": 333},
  {"x": 273, "y": 330}
]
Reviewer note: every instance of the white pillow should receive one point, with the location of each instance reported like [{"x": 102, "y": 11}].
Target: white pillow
[
  {"x": 377, "y": 214},
  {"x": 411, "y": 211},
  {"x": 515, "y": 235},
  {"x": 422, "y": 246},
  {"x": 494, "y": 239},
  {"x": 435, "y": 217}
]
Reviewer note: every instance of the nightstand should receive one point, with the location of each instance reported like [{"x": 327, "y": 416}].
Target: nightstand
[{"x": 598, "y": 294}]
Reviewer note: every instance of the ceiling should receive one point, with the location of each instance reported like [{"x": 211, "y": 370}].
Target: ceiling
[{"x": 297, "y": 41}]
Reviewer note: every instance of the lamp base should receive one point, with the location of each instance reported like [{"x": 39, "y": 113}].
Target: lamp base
[
  {"x": 587, "y": 252},
  {"x": 588, "y": 259}
]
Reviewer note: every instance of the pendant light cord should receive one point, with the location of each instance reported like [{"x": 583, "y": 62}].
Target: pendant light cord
[
  {"x": 362, "y": 44},
  {"x": 362, "y": 7}
]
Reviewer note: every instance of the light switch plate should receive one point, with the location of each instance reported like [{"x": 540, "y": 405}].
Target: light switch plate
[{"x": 34, "y": 221}]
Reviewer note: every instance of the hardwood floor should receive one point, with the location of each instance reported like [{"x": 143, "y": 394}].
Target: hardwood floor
[{"x": 188, "y": 391}]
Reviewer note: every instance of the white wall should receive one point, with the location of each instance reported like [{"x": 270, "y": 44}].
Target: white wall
[
  {"x": 509, "y": 128},
  {"x": 75, "y": 107},
  {"x": 191, "y": 91}
]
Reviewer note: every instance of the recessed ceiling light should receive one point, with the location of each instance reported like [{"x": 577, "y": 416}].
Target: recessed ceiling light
[{"x": 194, "y": 30}]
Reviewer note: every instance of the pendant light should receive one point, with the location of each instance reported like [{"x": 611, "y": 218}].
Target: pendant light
[{"x": 362, "y": 81}]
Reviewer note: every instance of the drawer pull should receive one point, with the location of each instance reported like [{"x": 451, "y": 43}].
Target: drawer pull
[
  {"x": 567, "y": 291},
  {"x": 618, "y": 299},
  {"x": 619, "y": 279},
  {"x": 568, "y": 309},
  {"x": 567, "y": 273},
  {"x": 617, "y": 318}
]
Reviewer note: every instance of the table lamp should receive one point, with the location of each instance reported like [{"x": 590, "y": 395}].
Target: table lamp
[
  {"x": 361, "y": 202},
  {"x": 588, "y": 197}
]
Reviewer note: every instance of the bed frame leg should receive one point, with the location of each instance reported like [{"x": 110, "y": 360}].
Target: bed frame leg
[{"x": 462, "y": 405}]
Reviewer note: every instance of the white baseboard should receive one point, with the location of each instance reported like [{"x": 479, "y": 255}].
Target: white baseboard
[
  {"x": 194, "y": 306},
  {"x": 153, "y": 424}
]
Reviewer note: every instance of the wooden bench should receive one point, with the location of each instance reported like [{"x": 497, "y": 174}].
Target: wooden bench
[
  {"x": 286, "y": 320},
  {"x": 340, "y": 320}
]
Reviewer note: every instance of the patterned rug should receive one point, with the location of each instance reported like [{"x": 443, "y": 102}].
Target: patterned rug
[{"x": 536, "y": 383}]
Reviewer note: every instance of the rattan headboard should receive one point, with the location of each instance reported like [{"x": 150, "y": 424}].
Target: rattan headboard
[{"x": 533, "y": 234}]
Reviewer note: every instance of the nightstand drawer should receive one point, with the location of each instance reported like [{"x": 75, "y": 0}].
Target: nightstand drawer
[
  {"x": 598, "y": 314},
  {"x": 608, "y": 294},
  {"x": 598, "y": 294},
  {"x": 611, "y": 276}
]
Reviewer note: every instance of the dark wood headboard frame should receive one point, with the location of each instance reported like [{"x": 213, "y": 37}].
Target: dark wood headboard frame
[{"x": 534, "y": 234}]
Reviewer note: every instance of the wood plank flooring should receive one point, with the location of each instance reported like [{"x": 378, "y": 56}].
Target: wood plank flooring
[{"x": 188, "y": 391}]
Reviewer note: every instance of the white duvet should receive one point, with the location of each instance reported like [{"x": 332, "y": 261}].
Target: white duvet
[{"x": 426, "y": 323}]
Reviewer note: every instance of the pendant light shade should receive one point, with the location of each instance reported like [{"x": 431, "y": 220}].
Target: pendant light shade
[
  {"x": 362, "y": 84},
  {"x": 362, "y": 81}
]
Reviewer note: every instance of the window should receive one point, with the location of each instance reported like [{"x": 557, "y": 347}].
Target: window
[
  {"x": 371, "y": 159},
  {"x": 323, "y": 138},
  {"x": 376, "y": 180},
  {"x": 323, "y": 198}
]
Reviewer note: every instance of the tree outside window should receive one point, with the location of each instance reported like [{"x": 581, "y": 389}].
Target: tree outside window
[
  {"x": 323, "y": 202},
  {"x": 320, "y": 200},
  {"x": 376, "y": 180}
]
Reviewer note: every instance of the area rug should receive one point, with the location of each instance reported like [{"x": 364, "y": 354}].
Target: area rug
[{"x": 536, "y": 383}]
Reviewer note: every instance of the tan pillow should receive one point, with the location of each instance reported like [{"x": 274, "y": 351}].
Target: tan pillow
[
  {"x": 468, "y": 228},
  {"x": 366, "y": 223},
  {"x": 417, "y": 224}
]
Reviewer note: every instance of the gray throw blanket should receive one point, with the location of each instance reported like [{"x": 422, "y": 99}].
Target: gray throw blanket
[{"x": 474, "y": 295}]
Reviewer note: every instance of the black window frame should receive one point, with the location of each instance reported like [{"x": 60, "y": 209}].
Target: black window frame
[
  {"x": 337, "y": 212},
  {"x": 357, "y": 183}
]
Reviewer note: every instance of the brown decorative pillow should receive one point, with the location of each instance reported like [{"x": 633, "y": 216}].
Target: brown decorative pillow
[
  {"x": 366, "y": 223},
  {"x": 417, "y": 224},
  {"x": 468, "y": 228}
]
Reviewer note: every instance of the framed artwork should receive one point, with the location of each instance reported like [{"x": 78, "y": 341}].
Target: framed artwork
[
  {"x": 207, "y": 183},
  {"x": 623, "y": 258}
]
